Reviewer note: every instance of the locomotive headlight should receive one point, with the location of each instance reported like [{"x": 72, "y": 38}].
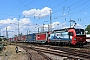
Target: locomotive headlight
[{"x": 74, "y": 38}]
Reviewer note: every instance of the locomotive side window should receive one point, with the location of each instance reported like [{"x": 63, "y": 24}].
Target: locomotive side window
[{"x": 79, "y": 31}]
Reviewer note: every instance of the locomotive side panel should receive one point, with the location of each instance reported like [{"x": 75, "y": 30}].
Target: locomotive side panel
[{"x": 59, "y": 37}]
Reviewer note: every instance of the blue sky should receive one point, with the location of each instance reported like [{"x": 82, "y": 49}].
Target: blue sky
[{"x": 32, "y": 12}]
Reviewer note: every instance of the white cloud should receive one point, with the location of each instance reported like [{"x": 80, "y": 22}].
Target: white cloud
[
  {"x": 37, "y": 12},
  {"x": 25, "y": 25},
  {"x": 12, "y": 25},
  {"x": 58, "y": 25},
  {"x": 25, "y": 21},
  {"x": 9, "y": 27},
  {"x": 79, "y": 26},
  {"x": 5, "y": 21},
  {"x": 85, "y": 12}
]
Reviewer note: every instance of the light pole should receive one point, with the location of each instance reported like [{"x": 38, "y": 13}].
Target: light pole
[
  {"x": 6, "y": 33},
  {"x": 50, "y": 21},
  {"x": 71, "y": 21},
  {"x": 18, "y": 28},
  {"x": 43, "y": 27},
  {"x": 38, "y": 27}
]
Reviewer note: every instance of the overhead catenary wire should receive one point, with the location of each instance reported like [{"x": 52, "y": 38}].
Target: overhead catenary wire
[
  {"x": 81, "y": 9},
  {"x": 6, "y": 13},
  {"x": 45, "y": 3},
  {"x": 68, "y": 6},
  {"x": 23, "y": 4},
  {"x": 59, "y": 4},
  {"x": 67, "y": 9},
  {"x": 26, "y": 5},
  {"x": 80, "y": 5},
  {"x": 70, "y": 13},
  {"x": 21, "y": 7}
]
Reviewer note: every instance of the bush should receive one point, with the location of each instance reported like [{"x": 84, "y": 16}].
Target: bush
[{"x": 0, "y": 39}]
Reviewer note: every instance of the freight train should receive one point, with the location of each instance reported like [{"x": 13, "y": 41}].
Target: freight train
[{"x": 66, "y": 36}]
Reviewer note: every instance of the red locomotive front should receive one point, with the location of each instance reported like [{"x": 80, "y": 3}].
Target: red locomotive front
[{"x": 78, "y": 37}]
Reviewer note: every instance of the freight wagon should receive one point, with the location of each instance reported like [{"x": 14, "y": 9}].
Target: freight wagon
[
  {"x": 18, "y": 39},
  {"x": 31, "y": 38},
  {"x": 37, "y": 37},
  {"x": 42, "y": 37},
  {"x": 10, "y": 39},
  {"x": 14, "y": 39},
  {"x": 23, "y": 38}
]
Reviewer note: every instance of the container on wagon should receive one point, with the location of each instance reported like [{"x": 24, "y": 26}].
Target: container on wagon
[
  {"x": 41, "y": 37},
  {"x": 31, "y": 37},
  {"x": 23, "y": 38},
  {"x": 14, "y": 39}
]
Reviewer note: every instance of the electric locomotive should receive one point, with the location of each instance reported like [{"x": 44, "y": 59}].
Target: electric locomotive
[{"x": 70, "y": 36}]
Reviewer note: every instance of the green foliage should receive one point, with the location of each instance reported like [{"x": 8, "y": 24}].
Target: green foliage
[
  {"x": 88, "y": 29},
  {"x": 4, "y": 39}
]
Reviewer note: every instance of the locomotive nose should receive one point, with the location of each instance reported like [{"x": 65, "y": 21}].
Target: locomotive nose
[{"x": 81, "y": 38}]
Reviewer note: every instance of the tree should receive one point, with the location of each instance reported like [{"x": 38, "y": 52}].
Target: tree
[
  {"x": 5, "y": 39},
  {"x": 0, "y": 39},
  {"x": 88, "y": 29}
]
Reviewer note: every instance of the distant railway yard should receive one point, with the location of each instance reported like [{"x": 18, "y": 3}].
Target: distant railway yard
[
  {"x": 62, "y": 44},
  {"x": 28, "y": 51},
  {"x": 45, "y": 30}
]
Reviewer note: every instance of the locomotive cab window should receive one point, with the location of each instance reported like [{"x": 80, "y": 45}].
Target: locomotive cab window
[
  {"x": 70, "y": 33},
  {"x": 79, "y": 31}
]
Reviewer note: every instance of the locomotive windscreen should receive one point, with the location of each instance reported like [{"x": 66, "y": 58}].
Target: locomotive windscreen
[{"x": 79, "y": 31}]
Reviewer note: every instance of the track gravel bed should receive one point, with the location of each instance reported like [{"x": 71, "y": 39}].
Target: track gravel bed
[
  {"x": 57, "y": 51},
  {"x": 35, "y": 55},
  {"x": 73, "y": 53}
]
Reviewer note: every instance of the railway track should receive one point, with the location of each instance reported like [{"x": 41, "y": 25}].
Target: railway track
[
  {"x": 70, "y": 53},
  {"x": 63, "y": 53},
  {"x": 79, "y": 53},
  {"x": 35, "y": 55}
]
